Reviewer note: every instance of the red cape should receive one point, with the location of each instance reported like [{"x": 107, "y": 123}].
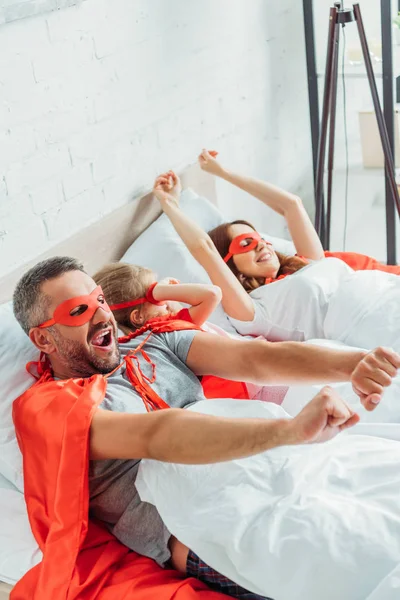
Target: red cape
[
  {"x": 213, "y": 387},
  {"x": 81, "y": 559}
]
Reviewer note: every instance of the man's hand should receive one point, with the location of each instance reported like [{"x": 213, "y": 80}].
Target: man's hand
[
  {"x": 322, "y": 418},
  {"x": 167, "y": 187},
  {"x": 208, "y": 163},
  {"x": 372, "y": 374}
]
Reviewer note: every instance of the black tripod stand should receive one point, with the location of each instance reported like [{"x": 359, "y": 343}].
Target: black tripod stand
[{"x": 339, "y": 17}]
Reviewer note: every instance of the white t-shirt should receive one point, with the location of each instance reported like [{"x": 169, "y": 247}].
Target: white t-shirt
[{"x": 294, "y": 308}]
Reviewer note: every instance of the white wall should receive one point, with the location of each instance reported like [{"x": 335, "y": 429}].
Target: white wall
[{"x": 98, "y": 98}]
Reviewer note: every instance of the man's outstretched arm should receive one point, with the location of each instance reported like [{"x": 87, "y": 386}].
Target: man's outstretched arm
[
  {"x": 181, "y": 436},
  {"x": 266, "y": 363}
]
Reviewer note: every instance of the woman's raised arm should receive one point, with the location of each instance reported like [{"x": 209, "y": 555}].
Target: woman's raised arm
[
  {"x": 235, "y": 300},
  {"x": 302, "y": 231}
]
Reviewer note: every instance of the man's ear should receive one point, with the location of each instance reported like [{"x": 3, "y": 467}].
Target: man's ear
[
  {"x": 42, "y": 339},
  {"x": 136, "y": 318}
]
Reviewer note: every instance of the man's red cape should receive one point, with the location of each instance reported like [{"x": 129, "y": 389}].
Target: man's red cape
[{"x": 82, "y": 560}]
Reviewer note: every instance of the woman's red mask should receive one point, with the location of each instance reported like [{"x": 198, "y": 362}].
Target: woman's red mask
[
  {"x": 244, "y": 243},
  {"x": 79, "y": 310}
]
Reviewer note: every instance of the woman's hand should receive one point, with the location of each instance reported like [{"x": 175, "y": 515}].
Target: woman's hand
[
  {"x": 208, "y": 163},
  {"x": 167, "y": 187}
]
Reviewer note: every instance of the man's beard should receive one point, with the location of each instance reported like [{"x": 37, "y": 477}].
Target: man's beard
[{"x": 80, "y": 362}]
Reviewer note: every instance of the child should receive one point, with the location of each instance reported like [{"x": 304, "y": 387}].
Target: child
[{"x": 137, "y": 299}]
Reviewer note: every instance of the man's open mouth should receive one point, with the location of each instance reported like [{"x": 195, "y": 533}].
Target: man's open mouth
[{"x": 103, "y": 339}]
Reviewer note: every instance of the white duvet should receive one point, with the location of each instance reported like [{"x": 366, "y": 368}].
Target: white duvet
[
  {"x": 314, "y": 522},
  {"x": 388, "y": 411},
  {"x": 329, "y": 300}
]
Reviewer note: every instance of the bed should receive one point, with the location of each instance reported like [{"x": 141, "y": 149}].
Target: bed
[
  {"x": 126, "y": 233},
  {"x": 130, "y": 221}
]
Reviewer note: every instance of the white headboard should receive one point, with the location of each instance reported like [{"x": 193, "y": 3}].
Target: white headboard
[{"x": 108, "y": 239}]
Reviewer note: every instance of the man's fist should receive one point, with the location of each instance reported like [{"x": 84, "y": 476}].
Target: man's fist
[
  {"x": 373, "y": 373},
  {"x": 322, "y": 418}
]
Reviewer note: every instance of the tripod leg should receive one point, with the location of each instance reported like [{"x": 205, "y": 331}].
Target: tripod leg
[
  {"x": 388, "y": 113},
  {"x": 331, "y": 145},
  {"x": 389, "y": 165},
  {"x": 319, "y": 179},
  {"x": 312, "y": 78}
]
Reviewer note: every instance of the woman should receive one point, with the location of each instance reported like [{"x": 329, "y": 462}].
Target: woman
[{"x": 343, "y": 296}]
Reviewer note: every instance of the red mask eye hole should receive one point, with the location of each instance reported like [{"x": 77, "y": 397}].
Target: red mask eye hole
[
  {"x": 246, "y": 242},
  {"x": 78, "y": 310}
]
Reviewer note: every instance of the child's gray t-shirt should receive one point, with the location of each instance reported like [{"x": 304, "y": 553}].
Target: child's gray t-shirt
[{"x": 113, "y": 495}]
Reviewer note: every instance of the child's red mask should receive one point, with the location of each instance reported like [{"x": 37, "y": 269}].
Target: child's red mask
[
  {"x": 79, "y": 310},
  {"x": 244, "y": 243},
  {"x": 147, "y": 298}
]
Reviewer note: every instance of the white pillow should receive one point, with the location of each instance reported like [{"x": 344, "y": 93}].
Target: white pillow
[
  {"x": 19, "y": 551},
  {"x": 162, "y": 250},
  {"x": 16, "y": 350}
]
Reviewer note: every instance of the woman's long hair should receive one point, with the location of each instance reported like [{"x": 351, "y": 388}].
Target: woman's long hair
[{"x": 221, "y": 238}]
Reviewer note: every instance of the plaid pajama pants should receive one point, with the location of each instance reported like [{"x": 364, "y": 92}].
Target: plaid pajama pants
[{"x": 195, "y": 567}]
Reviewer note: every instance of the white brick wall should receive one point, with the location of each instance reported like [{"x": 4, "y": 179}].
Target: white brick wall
[
  {"x": 97, "y": 98},
  {"x": 12, "y": 10}
]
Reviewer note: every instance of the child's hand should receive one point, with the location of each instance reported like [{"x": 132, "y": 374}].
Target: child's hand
[
  {"x": 209, "y": 163},
  {"x": 167, "y": 186},
  {"x": 169, "y": 281}
]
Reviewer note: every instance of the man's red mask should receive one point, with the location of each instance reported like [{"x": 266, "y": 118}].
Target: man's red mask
[
  {"x": 79, "y": 310},
  {"x": 244, "y": 243}
]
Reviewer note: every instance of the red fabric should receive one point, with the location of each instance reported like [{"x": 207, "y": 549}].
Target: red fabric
[
  {"x": 81, "y": 559},
  {"x": 235, "y": 246},
  {"x": 213, "y": 387},
  {"x": 149, "y": 295},
  {"x": 217, "y": 387},
  {"x": 358, "y": 262},
  {"x": 62, "y": 313},
  {"x": 138, "y": 379},
  {"x": 362, "y": 262},
  {"x": 184, "y": 315}
]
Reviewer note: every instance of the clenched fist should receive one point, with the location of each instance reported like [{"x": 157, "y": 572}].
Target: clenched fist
[
  {"x": 322, "y": 418},
  {"x": 373, "y": 373}
]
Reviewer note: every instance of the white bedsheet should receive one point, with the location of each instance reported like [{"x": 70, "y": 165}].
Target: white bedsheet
[
  {"x": 365, "y": 311},
  {"x": 312, "y": 522},
  {"x": 326, "y": 299},
  {"x": 388, "y": 411}
]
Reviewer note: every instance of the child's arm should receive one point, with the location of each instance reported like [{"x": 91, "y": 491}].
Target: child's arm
[
  {"x": 203, "y": 298},
  {"x": 290, "y": 206}
]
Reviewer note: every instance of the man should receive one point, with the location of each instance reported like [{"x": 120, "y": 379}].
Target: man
[{"x": 65, "y": 315}]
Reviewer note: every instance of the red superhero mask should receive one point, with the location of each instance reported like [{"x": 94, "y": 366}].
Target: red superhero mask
[
  {"x": 147, "y": 298},
  {"x": 244, "y": 243},
  {"x": 79, "y": 310}
]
